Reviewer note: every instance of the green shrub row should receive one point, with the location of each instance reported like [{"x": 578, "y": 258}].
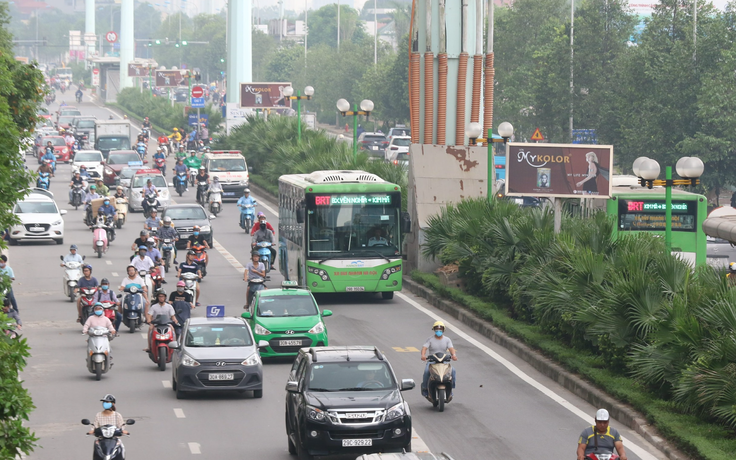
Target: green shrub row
[{"x": 646, "y": 315}]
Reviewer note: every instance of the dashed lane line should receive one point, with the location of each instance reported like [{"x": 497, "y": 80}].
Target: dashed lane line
[
  {"x": 194, "y": 448},
  {"x": 115, "y": 274},
  {"x": 179, "y": 413},
  {"x": 167, "y": 383},
  {"x": 108, "y": 262}
]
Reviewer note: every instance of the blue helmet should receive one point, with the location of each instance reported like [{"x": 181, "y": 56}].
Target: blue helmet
[
  {"x": 73, "y": 247},
  {"x": 142, "y": 247}
]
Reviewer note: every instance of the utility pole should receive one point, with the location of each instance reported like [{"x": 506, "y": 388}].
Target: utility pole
[
  {"x": 375, "y": 32},
  {"x": 572, "y": 67},
  {"x": 306, "y": 31},
  {"x": 338, "y": 26}
]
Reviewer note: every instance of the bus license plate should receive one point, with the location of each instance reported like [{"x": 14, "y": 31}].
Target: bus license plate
[
  {"x": 354, "y": 288},
  {"x": 290, "y": 343},
  {"x": 221, "y": 376},
  {"x": 357, "y": 442}
]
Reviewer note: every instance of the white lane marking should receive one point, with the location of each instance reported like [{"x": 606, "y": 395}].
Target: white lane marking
[
  {"x": 108, "y": 262},
  {"x": 167, "y": 383},
  {"x": 144, "y": 335},
  {"x": 639, "y": 451},
  {"x": 115, "y": 274},
  {"x": 229, "y": 257},
  {"x": 417, "y": 444},
  {"x": 194, "y": 448},
  {"x": 269, "y": 209},
  {"x": 179, "y": 413}
]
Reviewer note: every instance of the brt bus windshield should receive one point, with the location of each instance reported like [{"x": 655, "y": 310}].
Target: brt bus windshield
[{"x": 345, "y": 226}]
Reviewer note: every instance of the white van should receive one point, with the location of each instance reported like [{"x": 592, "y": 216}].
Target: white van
[{"x": 232, "y": 170}]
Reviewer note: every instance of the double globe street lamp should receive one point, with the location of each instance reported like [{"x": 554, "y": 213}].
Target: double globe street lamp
[
  {"x": 366, "y": 107},
  {"x": 475, "y": 129},
  {"x": 647, "y": 170},
  {"x": 289, "y": 94}
]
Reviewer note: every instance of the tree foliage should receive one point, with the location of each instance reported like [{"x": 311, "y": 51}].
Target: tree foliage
[{"x": 323, "y": 26}]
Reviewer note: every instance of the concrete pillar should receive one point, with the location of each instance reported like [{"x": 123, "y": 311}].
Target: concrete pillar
[
  {"x": 89, "y": 24},
  {"x": 239, "y": 47},
  {"x": 127, "y": 41}
]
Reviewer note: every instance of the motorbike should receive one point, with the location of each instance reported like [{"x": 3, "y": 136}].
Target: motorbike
[
  {"x": 439, "y": 386},
  {"x": 147, "y": 133},
  {"x": 77, "y": 195},
  {"x": 79, "y": 97},
  {"x": 264, "y": 250},
  {"x": 141, "y": 150},
  {"x": 162, "y": 335},
  {"x": 121, "y": 209},
  {"x": 98, "y": 351},
  {"x": 215, "y": 202},
  {"x": 601, "y": 456},
  {"x": 72, "y": 274},
  {"x": 156, "y": 278},
  {"x": 48, "y": 100},
  {"x": 161, "y": 165},
  {"x": 180, "y": 182},
  {"x": 150, "y": 202},
  {"x": 133, "y": 308},
  {"x": 99, "y": 237},
  {"x": 190, "y": 282},
  {"x": 87, "y": 301},
  {"x": 43, "y": 180},
  {"x": 108, "y": 445},
  {"x": 200, "y": 255},
  {"x": 147, "y": 281},
  {"x": 247, "y": 216},
  {"x": 192, "y": 176},
  {"x": 254, "y": 285},
  {"x": 109, "y": 310},
  {"x": 202, "y": 192},
  {"x": 167, "y": 248}
]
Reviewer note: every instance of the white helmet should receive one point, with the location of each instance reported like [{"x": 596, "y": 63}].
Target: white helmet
[{"x": 601, "y": 415}]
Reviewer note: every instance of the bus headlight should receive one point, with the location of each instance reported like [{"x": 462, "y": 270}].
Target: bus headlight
[
  {"x": 390, "y": 271},
  {"x": 319, "y": 272}
]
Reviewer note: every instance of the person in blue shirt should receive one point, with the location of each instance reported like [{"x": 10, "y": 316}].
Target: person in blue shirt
[
  {"x": 159, "y": 154},
  {"x": 245, "y": 200},
  {"x": 83, "y": 173},
  {"x": 6, "y": 270},
  {"x": 72, "y": 256},
  {"x": 49, "y": 155},
  {"x": 108, "y": 210},
  {"x": 140, "y": 147}
]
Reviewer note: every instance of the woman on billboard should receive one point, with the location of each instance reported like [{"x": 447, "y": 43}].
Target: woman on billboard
[{"x": 590, "y": 183}]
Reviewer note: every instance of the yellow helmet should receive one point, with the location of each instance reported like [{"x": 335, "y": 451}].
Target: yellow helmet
[
  {"x": 438, "y": 324},
  {"x": 176, "y": 129},
  {"x": 732, "y": 266}
]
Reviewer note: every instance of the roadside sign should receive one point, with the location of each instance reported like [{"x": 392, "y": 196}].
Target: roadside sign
[
  {"x": 537, "y": 136},
  {"x": 168, "y": 78},
  {"x": 215, "y": 311},
  {"x": 197, "y": 102},
  {"x": 197, "y": 92},
  {"x": 137, "y": 70},
  {"x": 111, "y": 37},
  {"x": 203, "y": 118},
  {"x": 95, "y": 71},
  {"x": 95, "y": 77}
]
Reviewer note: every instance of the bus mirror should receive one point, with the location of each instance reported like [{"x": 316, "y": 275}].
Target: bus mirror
[
  {"x": 300, "y": 215},
  {"x": 405, "y": 223}
]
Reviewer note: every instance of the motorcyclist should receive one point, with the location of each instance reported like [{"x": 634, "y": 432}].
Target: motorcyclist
[
  {"x": 600, "y": 438},
  {"x": 175, "y": 137},
  {"x": 149, "y": 189},
  {"x": 141, "y": 147},
  {"x": 142, "y": 262},
  {"x": 180, "y": 167},
  {"x": 133, "y": 278},
  {"x": 98, "y": 320},
  {"x": 244, "y": 200},
  {"x": 109, "y": 416},
  {"x": 215, "y": 187},
  {"x": 46, "y": 168},
  {"x": 190, "y": 266},
  {"x": 256, "y": 225},
  {"x": 163, "y": 140},
  {"x": 83, "y": 172},
  {"x": 72, "y": 256},
  {"x": 119, "y": 193},
  {"x": 159, "y": 155},
  {"x": 264, "y": 234},
  {"x": 76, "y": 180},
  {"x": 140, "y": 241},
  {"x": 102, "y": 188},
  {"x": 155, "y": 256},
  {"x": 152, "y": 221},
  {"x": 108, "y": 210},
  {"x": 192, "y": 162},
  {"x": 146, "y": 124},
  {"x": 182, "y": 302},
  {"x": 49, "y": 155},
  {"x": 79, "y": 94},
  {"x": 167, "y": 231},
  {"x": 181, "y": 152},
  {"x": 86, "y": 281},
  {"x": 105, "y": 294},
  {"x": 202, "y": 176},
  {"x": 192, "y": 139},
  {"x": 68, "y": 138},
  {"x": 254, "y": 269},
  {"x": 161, "y": 307},
  {"x": 438, "y": 343},
  {"x": 91, "y": 195}
]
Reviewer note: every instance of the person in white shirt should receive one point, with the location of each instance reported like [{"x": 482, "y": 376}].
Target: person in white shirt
[
  {"x": 72, "y": 256},
  {"x": 377, "y": 238},
  {"x": 142, "y": 262}
]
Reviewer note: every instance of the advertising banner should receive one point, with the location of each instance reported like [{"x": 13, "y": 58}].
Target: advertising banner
[
  {"x": 559, "y": 170},
  {"x": 263, "y": 95},
  {"x": 203, "y": 118},
  {"x": 137, "y": 70},
  {"x": 168, "y": 78}
]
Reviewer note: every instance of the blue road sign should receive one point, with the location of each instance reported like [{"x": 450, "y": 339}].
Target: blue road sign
[
  {"x": 203, "y": 118},
  {"x": 197, "y": 103}
]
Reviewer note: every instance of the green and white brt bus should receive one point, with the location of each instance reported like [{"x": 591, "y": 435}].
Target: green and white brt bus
[{"x": 341, "y": 231}]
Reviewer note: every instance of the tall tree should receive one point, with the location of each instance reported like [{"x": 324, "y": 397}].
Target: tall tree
[{"x": 323, "y": 26}]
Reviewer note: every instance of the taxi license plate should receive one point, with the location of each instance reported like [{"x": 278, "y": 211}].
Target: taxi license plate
[
  {"x": 290, "y": 343},
  {"x": 354, "y": 288},
  {"x": 36, "y": 229},
  {"x": 357, "y": 442},
  {"x": 221, "y": 376}
]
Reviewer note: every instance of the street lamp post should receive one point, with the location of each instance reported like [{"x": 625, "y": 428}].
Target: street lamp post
[
  {"x": 308, "y": 93},
  {"x": 647, "y": 170},
  {"x": 474, "y": 130},
  {"x": 366, "y": 107}
]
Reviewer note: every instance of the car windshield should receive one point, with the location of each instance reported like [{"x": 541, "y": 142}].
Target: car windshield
[
  {"x": 286, "y": 305},
  {"x": 55, "y": 141},
  {"x": 218, "y": 335},
  {"x": 35, "y": 207},
  {"x": 139, "y": 181},
  {"x": 127, "y": 173},
  {"x": 187, "y": 213},
  {"x": 114, "y": 143},
  {"x": 374, "y": 138},
  {"x": 84, "y": 157},
  {"x": 350, "y": 376},
  {"x": 401, "y": 132},
  {"x": 227, "y": 164},
  {"x": 44, "y": 123},
  {"x": 65, "y": 120},
  {"x": 70, "y": 112},
  {"x": 122, "y": 158},
  {"x": 402, "y": 142},
  {"x": 83, "y": 124}
]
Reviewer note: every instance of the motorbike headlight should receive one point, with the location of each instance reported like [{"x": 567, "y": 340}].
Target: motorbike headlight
[
  {"x": 318, "y": 415},
  {"x": 252, "y": 360},
  {"x": 395, "y": 412},
  {"x": 318, "y": 328},
  {"x": 189, "y": 361},
  {"x": 58, "y": 222},
  {"x": 260, "y": 330},
  {"x": 108, "y": 431},
  {"x": 205, "y": 229}
]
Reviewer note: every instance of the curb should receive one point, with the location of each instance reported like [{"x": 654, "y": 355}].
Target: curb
[
  {"x": 579, "y": 387},
  {"x": 571, "y": 382}
]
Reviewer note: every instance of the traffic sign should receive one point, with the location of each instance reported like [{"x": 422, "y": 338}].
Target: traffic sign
[
  {"x": 197, "y": 102},
  {"x": 96, "y": 71},
  {"x": 197, "y": 92},
  {"x": 537, "y": 136},
  {"x": 111, "y": 37}
]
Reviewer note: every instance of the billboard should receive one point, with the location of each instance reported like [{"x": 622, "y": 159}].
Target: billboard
[
  {"x": 263, "y": 95},
  {"x": 168, "y": 78},
  {"x": 559, "y": 170},
  {"x": 137, "y": 70}
]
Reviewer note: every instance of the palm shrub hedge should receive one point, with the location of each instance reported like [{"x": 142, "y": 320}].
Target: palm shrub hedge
[
  {"x": 647, "y": 314},
  {"x": 159, "y": 110}
]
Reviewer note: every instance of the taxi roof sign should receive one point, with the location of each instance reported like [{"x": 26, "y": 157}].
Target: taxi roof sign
[
  {"x": 289, "y": 284},
  {"x": 135, "y": 163},
  {"x": 148, "y": 171},
  {"x": 226, "y": 151}
]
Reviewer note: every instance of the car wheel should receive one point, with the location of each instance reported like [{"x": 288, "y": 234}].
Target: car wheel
[
  {"x": 387, "y": 295},
  {"x": 12, "y": 242},
  {"x": 257, "y": 394},
  {"x": 292, "y": 447},
  {"x": 173, "y": 382},
  {"x": 60, "y": 241},
  {"x": 180, "y": 394},
  {"x": 302, "y": 453}
]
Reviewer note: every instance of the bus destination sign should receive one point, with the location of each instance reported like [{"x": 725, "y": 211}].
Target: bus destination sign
[{"x": 359, "y": 199}]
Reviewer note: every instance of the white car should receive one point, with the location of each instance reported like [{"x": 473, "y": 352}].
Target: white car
[
  {"x": 135, "y": 199},
  {"x": 398, "y": 150},
  {"x": 40, "y": 218},
  {"x": 92, "y": 160}
]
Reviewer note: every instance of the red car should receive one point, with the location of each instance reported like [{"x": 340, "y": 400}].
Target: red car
[
  {"x": 116, "y": 161},
  {"x": 62, "y": 152}
]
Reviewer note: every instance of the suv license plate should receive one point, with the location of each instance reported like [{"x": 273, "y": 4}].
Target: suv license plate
[
  {"x": 290, "y": 343},
  {"x": 354, "y": 288},
  {"x": 222, "y": 376},
  {"x": 374, "y": 147},
  {"x": 357, "y": 442},
  {"x": 36, "y": 229}
]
